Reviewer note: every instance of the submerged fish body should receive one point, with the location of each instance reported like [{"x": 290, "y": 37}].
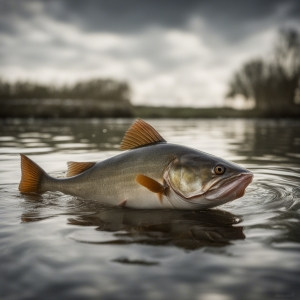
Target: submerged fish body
[{"x": 151, "y": 174}]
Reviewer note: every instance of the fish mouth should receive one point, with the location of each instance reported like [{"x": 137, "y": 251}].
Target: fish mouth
[
  {"x": 223, "y": 191},
  {"x": 230, "y": 189}
]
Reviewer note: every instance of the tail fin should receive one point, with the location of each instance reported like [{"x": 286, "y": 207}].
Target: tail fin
[{"x": 31, "y": 176}]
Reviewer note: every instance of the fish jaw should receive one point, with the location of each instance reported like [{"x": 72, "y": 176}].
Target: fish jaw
[{"x": 230, "y": 189}]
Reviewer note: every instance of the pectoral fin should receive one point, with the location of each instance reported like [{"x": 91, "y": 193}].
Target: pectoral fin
[
  {"x": 75, "y": 168},
  {"x": 152, "y": 185},
  {"x": 149, "y": 183}
]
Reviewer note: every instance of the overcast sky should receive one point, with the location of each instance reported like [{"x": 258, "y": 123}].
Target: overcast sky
[{"x": 170, "y": 52}]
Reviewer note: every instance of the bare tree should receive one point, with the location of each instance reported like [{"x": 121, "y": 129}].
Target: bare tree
[{"x": 274, "y": 83}]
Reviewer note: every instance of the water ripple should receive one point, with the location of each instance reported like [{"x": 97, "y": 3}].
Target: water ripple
[
  {"x": 65, "y": 247},
  {"x": 273, "y": 189}
]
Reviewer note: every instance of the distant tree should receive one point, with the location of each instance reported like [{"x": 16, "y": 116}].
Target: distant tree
[
  {"x": 274, "y": 83},
  {"x": 4, "y": 89},
  {"x": 100, "y": 89},
  {"x": 24, "y": 90},
  {"x": 95, "y": 89}
]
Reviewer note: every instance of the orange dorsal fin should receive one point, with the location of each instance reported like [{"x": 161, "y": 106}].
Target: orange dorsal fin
[
  {"x": 140, "y": 134},
  {"x": 75, "y": 168},
  {"x": 31, "y": 176}
]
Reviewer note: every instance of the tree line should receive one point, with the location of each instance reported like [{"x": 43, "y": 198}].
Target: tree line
[
  {"x": 273, "y": 83},
  {"x": 95, "y": 89}
]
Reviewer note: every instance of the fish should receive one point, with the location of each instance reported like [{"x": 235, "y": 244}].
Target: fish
[{"x": 150, "y": 173}]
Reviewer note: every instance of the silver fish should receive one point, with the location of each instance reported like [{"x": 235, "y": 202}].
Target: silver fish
[{"x": 151, "y": 174}]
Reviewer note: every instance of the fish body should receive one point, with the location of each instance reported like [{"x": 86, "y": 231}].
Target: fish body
[{"x": 151, "y": 174}]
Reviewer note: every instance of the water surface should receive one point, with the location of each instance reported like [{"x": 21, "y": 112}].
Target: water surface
[{"x": 59, "y": 246}]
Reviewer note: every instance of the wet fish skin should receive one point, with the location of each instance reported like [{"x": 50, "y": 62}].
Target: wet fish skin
[{"x": 185, "y": 175}]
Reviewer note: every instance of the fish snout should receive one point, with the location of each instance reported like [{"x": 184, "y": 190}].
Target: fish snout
[
  {"x": 231, "y": 189},
  {"x": 246, "y": 179}
]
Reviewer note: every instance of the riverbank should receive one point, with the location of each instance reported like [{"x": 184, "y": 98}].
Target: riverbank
[
  {"x": 214, "y": 112},
  {"x": 56, "y": 108},
  {"x": 64, "y": 108}
]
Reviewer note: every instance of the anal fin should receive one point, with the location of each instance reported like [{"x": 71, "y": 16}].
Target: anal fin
[
  {"x": 123, "y": 203},
  {"x": 75, "y": 168}
]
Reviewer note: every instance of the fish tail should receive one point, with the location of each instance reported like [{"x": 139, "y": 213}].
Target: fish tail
[{"x": 32, "y": 175}]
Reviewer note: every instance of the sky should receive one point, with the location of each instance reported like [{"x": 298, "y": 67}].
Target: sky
[{"x": 172, "y": 53}]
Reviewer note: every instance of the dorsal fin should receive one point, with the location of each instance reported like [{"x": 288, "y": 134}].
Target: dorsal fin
[
  {"x": 75, "y": 168},
  {"x": 140, "y": 134}
]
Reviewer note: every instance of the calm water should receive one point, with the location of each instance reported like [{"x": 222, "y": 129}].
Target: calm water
[{"x": 58, "y": 246}]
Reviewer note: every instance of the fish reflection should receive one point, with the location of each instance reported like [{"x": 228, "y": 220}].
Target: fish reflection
[{"x": 184, "y": 229}]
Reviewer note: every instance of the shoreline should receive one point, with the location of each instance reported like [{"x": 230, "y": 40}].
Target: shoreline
[{"x": 110, "y": 109}]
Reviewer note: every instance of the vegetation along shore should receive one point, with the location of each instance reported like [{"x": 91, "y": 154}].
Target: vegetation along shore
[{"x": 272, "y": 85}]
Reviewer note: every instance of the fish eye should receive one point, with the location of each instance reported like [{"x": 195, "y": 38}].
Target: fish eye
[{"x": 219, "y": 169}]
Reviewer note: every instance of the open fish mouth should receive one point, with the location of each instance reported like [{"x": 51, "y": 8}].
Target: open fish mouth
[{"x": 230, "y": 189}]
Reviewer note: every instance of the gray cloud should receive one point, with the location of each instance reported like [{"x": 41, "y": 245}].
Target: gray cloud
[
  {"x": 168, "y": 50},
  {"x": 133, "y": 15}
]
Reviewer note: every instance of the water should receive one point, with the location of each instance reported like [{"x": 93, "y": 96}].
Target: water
[{"x": 59, "y": 246}]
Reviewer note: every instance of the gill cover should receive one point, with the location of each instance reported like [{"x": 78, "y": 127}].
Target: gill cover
[{"x": 190, "y": 176}]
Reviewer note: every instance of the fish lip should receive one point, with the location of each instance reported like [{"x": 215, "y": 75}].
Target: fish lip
[
  {"x": 236, "y": 184},
  {"x": 225, "y": 181}
]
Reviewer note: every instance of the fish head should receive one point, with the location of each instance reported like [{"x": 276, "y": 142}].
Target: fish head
[{"x": 206, "y": 180}]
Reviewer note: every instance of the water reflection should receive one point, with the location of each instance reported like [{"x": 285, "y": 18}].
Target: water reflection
[
  {"x": 247, "y": 140},
  {"x": 60, "y": 135},
  {"x": 183, "y": 229},
  {"x": 266, "y": 141},
  {"x": 73, "y": 247}
]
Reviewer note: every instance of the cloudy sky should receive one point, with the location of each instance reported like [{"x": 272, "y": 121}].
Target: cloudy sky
[{"x": 171, "y": 52}]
